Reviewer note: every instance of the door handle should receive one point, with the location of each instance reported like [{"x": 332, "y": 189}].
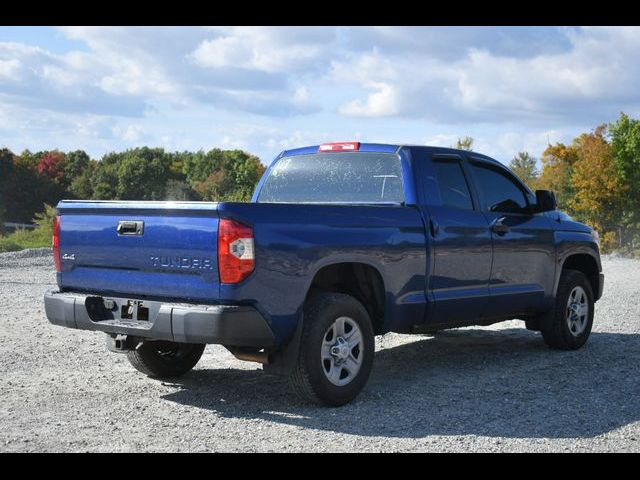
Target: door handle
[
  {"x": 499, "y": 227},
  {"x": 128, "y": 227},
  {"x": 434, "y": 227}
]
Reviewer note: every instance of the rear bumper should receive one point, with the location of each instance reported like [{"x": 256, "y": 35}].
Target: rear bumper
[{"x": 229, "y": 325}]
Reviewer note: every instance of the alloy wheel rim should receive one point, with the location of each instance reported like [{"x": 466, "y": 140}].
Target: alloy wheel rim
[
  {"x": 577, "y": 312},
  {"x": 342, "y": 351}
]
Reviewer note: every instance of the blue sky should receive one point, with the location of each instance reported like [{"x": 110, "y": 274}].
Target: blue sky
[{"x": 267, "y": 89}]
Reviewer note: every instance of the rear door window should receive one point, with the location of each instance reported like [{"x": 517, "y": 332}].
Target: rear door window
[{"x": 452, "y": 185}]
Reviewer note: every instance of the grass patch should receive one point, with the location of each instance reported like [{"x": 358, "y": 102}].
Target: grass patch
[
  {"x": 21, "y": 239},
  {"x": 36, "y": 238},
  {"x": 8, "y": 245}
]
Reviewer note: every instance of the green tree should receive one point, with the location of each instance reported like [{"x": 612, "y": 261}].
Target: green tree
[
  {"x": 135, "y": 174},
  {"x": 464, "y": 143},
  {"x": 103, "y": 185},
  {"x": 199, "y": 165},
  {"x": 81, "y": 186},
  {"x": 77, "y": 174},
  {"x": 6, "y": 175},
  {"x": 246, "y": 171},
  {"x": 177, "y": 164},
  {"x": 215, "y": 187},
  {"x": 625, "y": 144},
  {"x": 23, "y": 190},
  {"x": 3, "y": 218},
  {"x": 7, "y": 162},
  {"x": 142, "y": 174},
  {"x": 28, "y": 159},
  {"x": 104, "y": 180},
  {"x": 75, "y": 164},
  {"x": 180, "y": 190},
  {"x": 30, "y": 180},
  {"x": 525, "y": 167},
  {"x": 223, "y": 174}
]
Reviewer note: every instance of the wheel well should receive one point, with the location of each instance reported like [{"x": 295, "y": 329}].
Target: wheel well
[
  {"x": 585, "y": 264},
  {"x": 359, "y": 280}
]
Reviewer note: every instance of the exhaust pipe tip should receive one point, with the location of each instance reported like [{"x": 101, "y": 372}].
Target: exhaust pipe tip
[{"x": 250, "y": 354}]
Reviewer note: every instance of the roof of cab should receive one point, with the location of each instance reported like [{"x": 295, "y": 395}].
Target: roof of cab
[
  {"x": 364, "y": 147},
  {"x": 388, "y": 148}
]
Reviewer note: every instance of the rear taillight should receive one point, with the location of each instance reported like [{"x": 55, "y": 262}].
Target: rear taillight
[
  {"x": 236, "y": 258},
  {"x": 56, "y": 244}
]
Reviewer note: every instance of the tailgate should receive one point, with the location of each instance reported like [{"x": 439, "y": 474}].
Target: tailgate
[{"x": 142, "y": 249}]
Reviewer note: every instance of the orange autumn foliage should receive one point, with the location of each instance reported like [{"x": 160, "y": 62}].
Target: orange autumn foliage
[{"x": 598, "y": 191}]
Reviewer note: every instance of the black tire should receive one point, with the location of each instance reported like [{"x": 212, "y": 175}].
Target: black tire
[
  {"x": 160, "y": 359},
  {"x": 533, "y": 324},
  {"x": 308, "y": 378},
  {"x": 554, "y": 327}
]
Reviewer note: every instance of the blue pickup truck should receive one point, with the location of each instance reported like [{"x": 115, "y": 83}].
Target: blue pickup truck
[{"x": 341, "y": 242}]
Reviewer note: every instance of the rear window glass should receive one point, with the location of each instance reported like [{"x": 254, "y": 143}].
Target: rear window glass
[{"x": 350, "y": 177}]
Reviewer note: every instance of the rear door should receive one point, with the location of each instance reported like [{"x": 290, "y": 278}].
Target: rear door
[
  {"x": 523, "y": 248},
  {"x": 458, "y": 284}
]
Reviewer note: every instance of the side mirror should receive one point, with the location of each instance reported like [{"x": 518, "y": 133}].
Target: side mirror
[{"x": 545, "y": 201}]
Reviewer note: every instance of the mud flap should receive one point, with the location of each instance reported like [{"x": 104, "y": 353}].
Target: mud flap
[{"x": 284, "y": 359}]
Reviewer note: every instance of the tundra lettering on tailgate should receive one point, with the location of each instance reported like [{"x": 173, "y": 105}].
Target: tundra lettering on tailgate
[{"x": 180, "y": 261}]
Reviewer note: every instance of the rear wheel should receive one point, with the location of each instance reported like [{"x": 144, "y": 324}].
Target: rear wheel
[
  {"x": 568, "y": 325},
  {"x": 336, "y": 350},
  {"x": 161, "y": 359}
]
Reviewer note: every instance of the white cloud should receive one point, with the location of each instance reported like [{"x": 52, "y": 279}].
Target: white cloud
[
  {"x": 243, "y": 136},
  {"x": 383, "y": 102},
  {"x": 221, "y": 52},
  {"x": 596, "y": 75},
  {"x": 442, "y": 140},
  {"x": 269, "y": 139},
  {"x": 285, "y": 87},
  {"x": 40, "y": 79},
  {"x": 299, "y": 138},
  {"x": 301, "y": 95},
  {"x": 535, "y": 142},
  {"x": 128, "y": 69},
  {"x": 440, "y": 74},
  {"x": 97, "y": 127},
  {"x": 268, "y": 49},
  {"x": 130, "y": 133},
  {"x": 9, "y": 68}
]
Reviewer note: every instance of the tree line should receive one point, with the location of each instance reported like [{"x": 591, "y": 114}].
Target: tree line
[
  {"x": 29, "y": 180},
  {"x": 596, "y": 178}
]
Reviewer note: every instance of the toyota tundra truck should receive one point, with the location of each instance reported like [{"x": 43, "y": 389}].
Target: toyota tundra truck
[{"x": 340, "y": 242}]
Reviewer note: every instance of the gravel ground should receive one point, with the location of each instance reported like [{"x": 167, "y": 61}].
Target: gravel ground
[{"x": 496, "y": 388}]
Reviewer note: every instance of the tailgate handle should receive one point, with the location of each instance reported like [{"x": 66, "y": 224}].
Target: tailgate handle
[{"x": 130, "y": 227}]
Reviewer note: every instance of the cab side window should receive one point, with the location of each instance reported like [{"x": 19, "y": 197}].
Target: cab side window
[
  {"x": 453, "y": 188},
  {"x": 499, "y": 190}
]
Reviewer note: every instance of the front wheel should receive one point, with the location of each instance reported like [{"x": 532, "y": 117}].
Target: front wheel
[
  {"x": 161, "y": 359},
  {"x": 336, "y": 350},
  {"x": 568, "y": 325}
]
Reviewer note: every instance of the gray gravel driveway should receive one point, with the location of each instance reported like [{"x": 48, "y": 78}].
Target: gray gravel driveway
[{"x": 495, "y": 388}]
